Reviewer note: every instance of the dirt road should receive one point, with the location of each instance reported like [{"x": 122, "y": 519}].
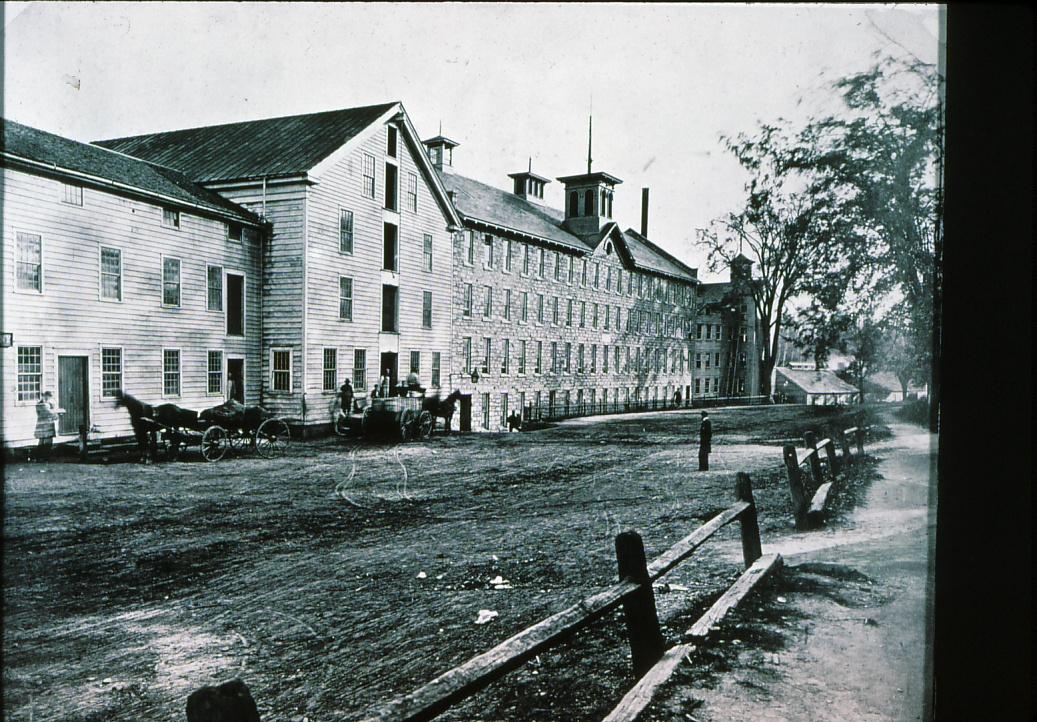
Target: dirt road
[{"x": 850, "y": 622}]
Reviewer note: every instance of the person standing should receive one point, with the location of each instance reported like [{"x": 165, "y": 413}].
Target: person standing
[
  {"x": 705, "y": 441},
  {"x": 345, "y": 394},
  {"x": 46, "y": 415}
]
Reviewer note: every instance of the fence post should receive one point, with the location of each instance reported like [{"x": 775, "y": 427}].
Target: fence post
[
  {"x": 799, "y": 501},
  {"x": 833, "y": 460},
  {"x": 748, "y": 523},
  {"x": 646, "y": 639},
  {"x": 845, "y": 441},
  {"x": 860, "y": 441},
  {"x": 810, "y": 439}
]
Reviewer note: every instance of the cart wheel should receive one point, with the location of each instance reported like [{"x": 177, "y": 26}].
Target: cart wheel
[
  {"x": 215, "y": 442},
  {"x": 272, "y": 438},
  {"x": 342, "y": 424},
  {"x": 366, "y": 421},
  {"x": 406, "y": 419},
  {"x": 425, "y": 425}
]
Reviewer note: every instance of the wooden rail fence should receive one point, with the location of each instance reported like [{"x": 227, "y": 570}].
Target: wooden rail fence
[
  {"x": 634, "y": 593},
  {"x": 808, "y": 502}
]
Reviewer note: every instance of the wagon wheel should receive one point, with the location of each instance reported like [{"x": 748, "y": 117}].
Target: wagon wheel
[
  {"x": 215, "y": 442},
  {"x": 424, "y": 425},
  {"x": 366, "y": 421},
  {"x": 406, "y": 418},
  {"x": 342, "y": 424},
  {"x": 272, "y": 438}
]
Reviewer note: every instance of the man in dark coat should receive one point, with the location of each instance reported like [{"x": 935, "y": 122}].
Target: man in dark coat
[
  {"x": 346, "y": 397},
  {"x": 705, "y": 441}
]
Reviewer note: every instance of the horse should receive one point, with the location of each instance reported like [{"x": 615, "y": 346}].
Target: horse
[
  {"x": 169, "y": 415},
  {"x": 441, "y": 408}
]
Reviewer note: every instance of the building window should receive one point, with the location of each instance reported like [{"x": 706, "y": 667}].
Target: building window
[
  {"x": 525, "y": 259},
  {"x": 390, "y": 247},
  {"x": 170, "y": 372},
  {"x": 281, "y": 370},
  {"x": 412, "y": 192},
  {"x": 504, "y": 409},
  {"x": 30, "y": 262},
  {"x": 214, "y": 375},
  {"x": 345, "y": 298},
  {"x": 540, "y": 308},
  {"x": 170, "y": 218},
  {"x": 360, "y": 369},
  {"x": 579, "y": 359},
  {"x": 426, "y": 309},
  {"x": 716, "y": 359},
  {"x": 558, "y": 266},
  {"x": 605, "y": 359},
  {"x": 554, "y": 357},
  {"x": 486, "y": 411},
  {"x": 619, "y": 281},
  {"x": 111, "y": 274},
  {"x": 470, "y": 254},
  {"x": 30, "y": 372},
  {"x": 574, "y": 204},
  {"x": 594, "y": 358},
  {"x": 392, "y": 183},
  {"x": 214, "y": 288},
  {"x": 568, "y": 357},
  {"x": 415, "y": 362},
  {"x": 507, "y": 304},
  {"x": 170, "y": 281},
  {"x": 427, "y": 250},
  {"x": 345, "y": 231},
  {"x": 487, "y": 309},
  {"x": 554, "y": 312},
  {"x": 330, "y": 369},
  {"x": 570, "y": 271},
  {"x": 542, "y": 262},
  {"x": 524, "y": 317},
  {"x": 588, "y": 202},
  {"x": 608, "y": 316},
  {"x": 538, "y": 362},
  {"x": 390, "y": 141},
  {"x": 368, "y": 187},
  {"x": 111, "y": 372},
  {"x": 597, "y": 274},
  {"x": 466, "y": 308},
  {"x": 583, "y": 314},
  {"x": 72, "y": 194},
  {"x": 608, "y": 278},
  {"x": 594, "y": 317},
  {"x": 467, "y": 350},
  {"x": 487, "y": 260},
  {"x": 234, "y": 232},
  {"x": 437, "y": 360},
  {"x": 390, "y": 309},
  {"x": 505, "y": 353},
  {"x": 583, "y": 272},
  {"x": 486, "y": 355},
  {"x": 522, "y": 357},
  {"x": 507, "y": 256},
  {"x": 569, "y": 312}
]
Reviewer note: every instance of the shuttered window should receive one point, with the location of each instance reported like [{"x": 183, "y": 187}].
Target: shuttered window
[
  {"x": 30, "y": 372},
  {"x": 214, "y": 375},
  {"x": 170, "y": 281},
  {"x": 170, "y": 372},
  {"x": 214, "y": 275},
  {"x": 111, "y": 274},
  {"x": 345, "y": 298},
  {"x": 329, "y": 369},
  {"x": 111, "y": 372},
  {"x": 281, "y": 369},
  {"x": 30, "y": 262}
]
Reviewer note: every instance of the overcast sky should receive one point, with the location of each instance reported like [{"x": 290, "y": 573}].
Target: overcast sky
[{"x": 507, "y": 81}]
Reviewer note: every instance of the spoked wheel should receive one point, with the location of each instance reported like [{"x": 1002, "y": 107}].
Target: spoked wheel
[
  {"x": 272, "y": 438},
  {"x": 424, "y": 425},
  {"x": 406, "y": 419},
  {"x": 366, "y": 421},
  {"x": 342, "y": 424},
  {"x": 215, "y": 442}
]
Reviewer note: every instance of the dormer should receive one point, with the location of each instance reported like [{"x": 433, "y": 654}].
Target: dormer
[
  {"x": 588, "y": 201},
  {"x": 528, "y": 184},
  {"x": 440, "y": 151}
]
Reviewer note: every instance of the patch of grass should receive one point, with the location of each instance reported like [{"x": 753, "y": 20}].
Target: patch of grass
[{"x": 914, "y": 412}]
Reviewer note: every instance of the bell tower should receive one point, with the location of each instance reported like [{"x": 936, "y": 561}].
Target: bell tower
[{"x": 588, "y": 196}]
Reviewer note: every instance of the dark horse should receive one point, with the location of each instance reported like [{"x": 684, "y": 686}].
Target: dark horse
[
  {"x": 169, "y": 415},
  {"x": 441, "y": 408}
]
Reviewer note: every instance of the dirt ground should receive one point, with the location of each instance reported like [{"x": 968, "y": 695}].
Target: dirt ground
[{"x": 341, "y": 575}]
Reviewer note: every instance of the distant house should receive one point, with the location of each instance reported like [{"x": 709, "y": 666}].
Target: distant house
[
  {"x": 804, "y": 386},
  {"x": 885, "y": 386}
]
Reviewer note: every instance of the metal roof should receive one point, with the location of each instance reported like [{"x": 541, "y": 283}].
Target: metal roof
[
  {"x": 272, "y": 147},
  {"x": 54, "y": 153}
]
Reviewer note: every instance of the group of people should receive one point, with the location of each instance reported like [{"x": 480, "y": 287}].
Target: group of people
[{"x": 383, "y": 390}]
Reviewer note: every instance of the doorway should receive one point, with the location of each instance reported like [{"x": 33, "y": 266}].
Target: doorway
[
  {"x": 236, "y": 379},
  {"x": 235, "y": 304},
  {"x": 73, "y": 393},
  {"x": 389, "y": 363},
  {"x": 466, "y": 412}
]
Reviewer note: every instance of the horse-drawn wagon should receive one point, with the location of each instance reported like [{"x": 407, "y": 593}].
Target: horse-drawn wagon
[{"x": 399, "y": 416}]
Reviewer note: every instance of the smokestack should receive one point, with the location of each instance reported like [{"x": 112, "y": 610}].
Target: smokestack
[{"x": 644, "y": 212}]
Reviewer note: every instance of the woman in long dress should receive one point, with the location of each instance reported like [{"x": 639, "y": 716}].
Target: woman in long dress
[{"x": 46, "y": 415}]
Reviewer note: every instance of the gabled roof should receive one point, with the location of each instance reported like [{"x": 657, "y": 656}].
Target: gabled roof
[
  {"x": 272, "y": 147},
  {"x": 50, "y": 153},
  {"x": 817, "y": 382},
  {"x": 479, "y": 202}
]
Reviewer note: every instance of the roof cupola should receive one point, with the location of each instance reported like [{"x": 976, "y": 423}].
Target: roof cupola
[
  {"x": 528, "y": 184},
  {"x": 588, "y": 196}
]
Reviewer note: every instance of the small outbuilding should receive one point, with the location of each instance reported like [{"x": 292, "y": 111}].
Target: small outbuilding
[{"x": 809, "y": 386}]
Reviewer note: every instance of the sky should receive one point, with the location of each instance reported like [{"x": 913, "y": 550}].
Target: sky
[{"x": 509, "y": 82}]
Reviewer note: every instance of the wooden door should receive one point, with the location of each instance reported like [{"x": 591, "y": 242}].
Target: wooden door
[
  {"x": 466, "y": 412},
  {"x": 73, "y": 394}
]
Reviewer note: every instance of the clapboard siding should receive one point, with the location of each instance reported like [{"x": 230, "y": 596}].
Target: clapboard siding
[
  {"x": 341, "y": 187},
  {"x": 70, "y": 318},
  {"x": 283, "y": 206}
]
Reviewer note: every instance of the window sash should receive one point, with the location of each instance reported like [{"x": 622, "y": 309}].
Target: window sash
[
  {"x": 170, "y": 281},
  {"x": 345, "y": 231},
  {"x": 426, "y": 309},
  {"x": 281, "y": 370},
  {"x": 214, "y": 278},
  {"x": 30, "y": 372},
  {"x": 437, "y": 360},
  {"x": 170, "y": 218},
  {"x": 214, "y": 376},
  {"x": 111, "y": 371},
  {"x": 427, "y": 246},
  {"x": 369, "y": 178},
  {"x": 111, "y": 274},
  {"x": 360, "y": 369},
  {"x": 412, "y": 192},
  {"x": 30, "y": 262},
  {"x": 415, "y": 362},
  {"x": 329, "y": 369},
  {"x": 345, "y": 298},
  {"x": 72, "y": 194},
  {"x": 170, "y": 372}
]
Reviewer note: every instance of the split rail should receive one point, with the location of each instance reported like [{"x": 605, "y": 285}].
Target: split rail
[
  {"x": 652, "y": 663},
  {"x": 808, "y": 489}
]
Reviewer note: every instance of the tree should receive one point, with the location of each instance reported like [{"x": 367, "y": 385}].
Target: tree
[{"x": 800, "y": 239}]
